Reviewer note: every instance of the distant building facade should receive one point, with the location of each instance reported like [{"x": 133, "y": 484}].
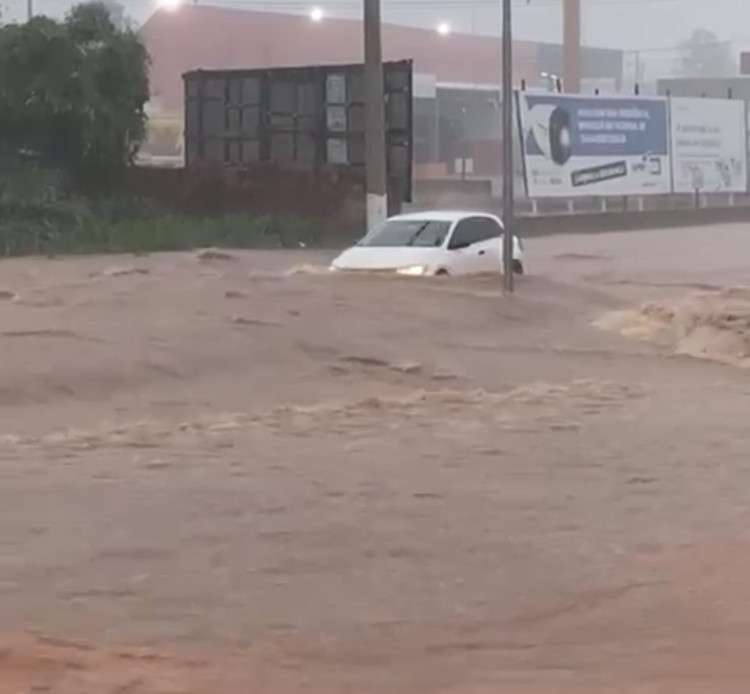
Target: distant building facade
[{"x": 457, "y": 98}]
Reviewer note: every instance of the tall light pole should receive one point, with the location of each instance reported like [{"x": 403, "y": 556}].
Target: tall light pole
[
  {"x": 375, "y": 154},
  {"x": 507, "y": 127},
  {"x": 29, "y": 10},
  {"x": 572, "y": 46}
]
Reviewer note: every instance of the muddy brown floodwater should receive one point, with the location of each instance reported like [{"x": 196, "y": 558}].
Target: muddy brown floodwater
[{"x": 241, "y": 473}]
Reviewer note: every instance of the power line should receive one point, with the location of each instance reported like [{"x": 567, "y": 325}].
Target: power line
[{"x": 456, "y": 4}]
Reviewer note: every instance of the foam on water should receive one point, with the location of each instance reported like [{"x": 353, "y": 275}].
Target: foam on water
[{"x": 706, "y": 325}]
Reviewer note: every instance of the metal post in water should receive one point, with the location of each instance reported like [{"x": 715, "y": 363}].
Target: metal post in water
[{"x": 507, "y": 128}]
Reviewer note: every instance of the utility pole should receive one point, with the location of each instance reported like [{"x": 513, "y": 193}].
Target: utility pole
[
  {"x": 507, "y": 127},
  {"x": 29, "y": 9},
  {"x": 572, "y": 46},
  {"x": 375, "y": 152}
]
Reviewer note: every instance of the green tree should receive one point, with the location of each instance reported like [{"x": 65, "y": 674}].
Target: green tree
[
  {"x": 72, "y": 93},
  {"x": 117, "y": 14},
  {"x": 704, "y": 55}
]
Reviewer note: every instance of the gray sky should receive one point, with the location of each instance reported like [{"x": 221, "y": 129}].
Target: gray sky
[{"x": 653, "y": 26}]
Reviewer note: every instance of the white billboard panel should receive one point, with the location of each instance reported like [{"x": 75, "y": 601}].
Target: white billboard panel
[
  {"x": 594, "y": 145},
  {"x": 709, "y": 151}
]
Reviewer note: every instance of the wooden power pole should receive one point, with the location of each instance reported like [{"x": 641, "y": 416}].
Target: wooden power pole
[{"x": 571, "y": 72}]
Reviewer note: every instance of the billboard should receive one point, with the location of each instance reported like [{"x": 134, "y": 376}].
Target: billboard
[
  {"x": 303, "y": 118},
  {"x": 708, "y": 145},
  {"x": 594, "y": 145}
]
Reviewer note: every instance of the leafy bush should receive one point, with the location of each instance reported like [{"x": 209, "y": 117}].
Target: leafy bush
[
  {"x": 72, "y": 93},
  {"x": 73, "y": 226},
  {"x": 38, "y": 214}
]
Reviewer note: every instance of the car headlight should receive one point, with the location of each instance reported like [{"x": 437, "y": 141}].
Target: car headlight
[{"x": 413, "y": 270}]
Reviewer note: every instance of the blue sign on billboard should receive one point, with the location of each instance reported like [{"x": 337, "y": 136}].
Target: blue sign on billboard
[{"x": 593, "y": 145}]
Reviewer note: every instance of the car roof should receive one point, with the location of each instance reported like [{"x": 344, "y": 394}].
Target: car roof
[{"x": 442, "y": 215}]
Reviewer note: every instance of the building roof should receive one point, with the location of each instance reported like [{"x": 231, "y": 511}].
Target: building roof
[{"x": 197, "y": 36}]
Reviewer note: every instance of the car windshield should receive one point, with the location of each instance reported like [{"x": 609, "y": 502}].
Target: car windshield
[{"x": 414, "y": 232}]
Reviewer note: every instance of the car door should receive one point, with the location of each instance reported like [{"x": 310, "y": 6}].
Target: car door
[
  {"x": 488, "y": 233},
  {"x": 474, "y": 246}
]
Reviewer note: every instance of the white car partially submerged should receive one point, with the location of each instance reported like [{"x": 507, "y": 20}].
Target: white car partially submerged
[{"x": 433, "y": 243}]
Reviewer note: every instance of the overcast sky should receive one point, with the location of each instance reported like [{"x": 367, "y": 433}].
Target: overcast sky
[{"x": 653, "y": 26}]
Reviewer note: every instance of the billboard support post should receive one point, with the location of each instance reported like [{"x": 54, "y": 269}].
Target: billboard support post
[{"x": 507, "y": 127}]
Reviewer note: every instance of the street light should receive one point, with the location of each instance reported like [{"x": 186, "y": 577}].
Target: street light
[
  {"x": 552, "y": 79},
  {"x": 317, "y": 15},
  {"x": 170, "y": 5},
  {"x": 444, "y": 29}
]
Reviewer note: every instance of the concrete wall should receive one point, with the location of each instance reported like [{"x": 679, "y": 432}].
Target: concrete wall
[
  {"x": 262, "y": 190},
  {"x": 630, "y": 221}
]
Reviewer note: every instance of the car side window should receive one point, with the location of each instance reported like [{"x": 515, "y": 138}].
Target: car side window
[
  {"x": 473, "y": 230},
  {"x": 463, "y": 234},
  {"x": 486, "y": 228}
]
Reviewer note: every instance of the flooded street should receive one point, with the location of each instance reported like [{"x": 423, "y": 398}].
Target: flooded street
[{"x": 238, "y": 472}]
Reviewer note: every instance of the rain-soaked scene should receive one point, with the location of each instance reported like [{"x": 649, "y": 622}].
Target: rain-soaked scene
[{"x": 373, "y": 347}]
